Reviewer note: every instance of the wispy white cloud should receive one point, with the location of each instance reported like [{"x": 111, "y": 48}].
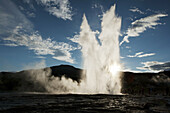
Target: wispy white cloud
[
  {"x": 122, "y": 57},
  {"x": 135, "y": 55},
  {"x": 35, "y": 65},
  {"x": 35, "y": 42},
  {"x": 21, "y": 8},
  {"x": 155, "y": 66},
  {"x": 128, "y": 47},
  {"x": 9, "y": 44},
  {"x": 42, "y": 57},
  {"x": 17, "y": 30},
  {"x": 11, "y": 18},
  {"x": 146, "y": 55},
  {"x": 66, "y": 57},
  {"x": 141, "y": 54},
  {"x": 76, "y": 37},
  {"x": 27, "y": 1},
  {"x": 130, "y": 18},
  {"x": 58, "y": 8},
  {"x": 157, "y": 11},
  {"x": 29, "y": 13},
  {"x": 141, "y": 25},
  {"x": 135, "y": 9}
]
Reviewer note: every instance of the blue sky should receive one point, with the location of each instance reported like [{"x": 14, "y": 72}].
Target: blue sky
[{"x": 37, "y": 33}]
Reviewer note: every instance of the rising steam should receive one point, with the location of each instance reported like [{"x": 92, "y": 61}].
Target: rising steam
[{"x": 100, "y": 61}]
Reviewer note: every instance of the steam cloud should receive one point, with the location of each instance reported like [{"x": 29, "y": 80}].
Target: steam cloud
[{"x": 101, "y": 62}]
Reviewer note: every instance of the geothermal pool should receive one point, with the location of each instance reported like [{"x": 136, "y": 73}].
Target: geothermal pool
[{"x": 76, "y": 103}]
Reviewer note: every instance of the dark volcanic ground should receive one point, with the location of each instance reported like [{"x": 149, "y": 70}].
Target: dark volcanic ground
[
  {"x": 73, "y": 103},
  {"x": 132, "y": 83},
  {"x": 137, "y": 85}
]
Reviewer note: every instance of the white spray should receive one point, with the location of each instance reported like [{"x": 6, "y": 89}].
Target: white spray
[{"x": 102, "y": 62}]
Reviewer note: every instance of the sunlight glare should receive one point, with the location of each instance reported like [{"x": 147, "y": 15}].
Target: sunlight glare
[{"x": 114, "y": 69}]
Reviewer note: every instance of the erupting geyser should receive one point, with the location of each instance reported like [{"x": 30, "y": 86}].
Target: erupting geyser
[{"x": 102, "y": 61}]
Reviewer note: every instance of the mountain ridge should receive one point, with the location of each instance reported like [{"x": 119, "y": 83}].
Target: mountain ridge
[{"x": 131, "y": 82}]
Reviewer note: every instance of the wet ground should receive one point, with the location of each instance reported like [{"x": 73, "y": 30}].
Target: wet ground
[{"x": 74, "y": 103}]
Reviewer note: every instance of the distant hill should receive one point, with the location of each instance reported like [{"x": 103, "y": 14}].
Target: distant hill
[
  {"x": 67, "y": 71},
  {"x": 35, "y": 80},
  {"x": 146, "y": 83}
]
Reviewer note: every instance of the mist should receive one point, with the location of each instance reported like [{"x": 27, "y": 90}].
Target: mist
[{"x": 101, "y": 63}]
